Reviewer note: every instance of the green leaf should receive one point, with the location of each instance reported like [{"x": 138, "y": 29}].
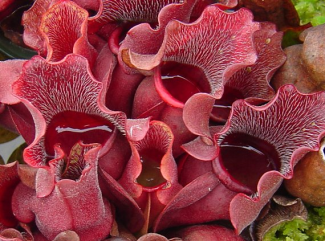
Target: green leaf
[
  {"x": 14, "y": 51},
  {"x": 11, "y": 146}
]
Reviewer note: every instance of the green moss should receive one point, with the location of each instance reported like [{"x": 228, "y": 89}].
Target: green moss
[
  {"x": 288, "y": 231},
  {"x": 316, "y": 223},
  {"x": 299, "y": 230},
  {"x": 312, "y": 11}
]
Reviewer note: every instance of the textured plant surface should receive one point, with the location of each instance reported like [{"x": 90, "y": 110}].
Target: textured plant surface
[
  {"x": 159, "y": 120},
  {"x": 310, "y": 11},
  {"x": 300, "y": 230}
]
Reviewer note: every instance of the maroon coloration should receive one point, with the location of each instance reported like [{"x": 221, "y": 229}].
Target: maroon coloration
[
  {"x": 149, "y": 186},
  {"x": 43, "y": 92},
  {"x": 6, "y": 119},
  {"x": 195, "y": 44},
  {"x": 129, "y": 84},
  {"x": 147, "y": 102},
  {"x": 202, "y": 4},
  {"x": 253, "y": 81},
  {"x": 27, "y": 175},
  {"x": 89, "y": 5},
  {"x": 292, "y": 115},
  {"x": 5, "y": 3},
  {"x": 201, "y": 148},
  {"x": 65, "y": 131},
  {"x": 104, "y": 65},
  {"x": 24, "y": 234},
  {"x": 9, "y": 72},
  {"x": 207, "y": 232},
  {"x": 69, "y": 197},
  {"x": 150, "y": 176},
  {"x": 151, "y": 162},
  {"x": 23, "y": 121},
  {"x": 73, "y": 19},
  {"x": 8, "y": 182},
  {"x": 67, "y": 236},
  {"x": 246, "y": 158},
  {"x": 114, "y": 161},
  {"x": 135, "y": 40},
  {"x": 190, "y": 168},
  {"x": 180, "y": 82},
  {"x": 222, "y": 107},
  {"x": 127, "y": 209},
  {"x": 198, "y": 122},
  {"x": 176, "y": 83},
  {"x": 209, "y": 140},
  {"x": 31, "y": 21},
  {"x": 119, "y": 11},
  {"x": 152, "y": 237},
  {"x": 198, "y": 197},
  {"x": 281, "y": 12},
  {"x": 173, "y": 118}
]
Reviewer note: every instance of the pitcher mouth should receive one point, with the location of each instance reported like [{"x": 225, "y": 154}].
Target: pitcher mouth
[
  {"x": 151, "y": 177},
  {"x": 69, "y": 127},
  {"x": 243, "y": 159},
  {"x": 176, "y": 83}
]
